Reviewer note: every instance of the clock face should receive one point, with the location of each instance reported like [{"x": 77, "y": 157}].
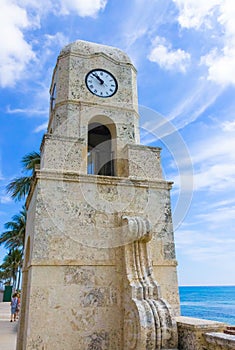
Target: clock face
[{"x": 101, "y": 83}]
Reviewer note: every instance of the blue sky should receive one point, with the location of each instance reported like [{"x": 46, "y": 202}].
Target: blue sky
[{"x": 184, "y": 51}]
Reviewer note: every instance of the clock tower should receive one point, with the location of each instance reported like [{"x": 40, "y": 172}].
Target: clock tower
[{"x": 100, "y": 268}]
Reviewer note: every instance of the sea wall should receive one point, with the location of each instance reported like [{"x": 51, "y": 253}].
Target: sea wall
[
  {"x": 219, "y": 341},
  {"x": 198, "y": 334}
]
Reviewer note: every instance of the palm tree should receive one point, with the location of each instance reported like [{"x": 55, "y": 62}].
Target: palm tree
[
  {"x": 14, "y": 236},
  {"x": 5, "y": 276},
  {"x": 20, "y": 186},
  {"x": 13, "y": 239},
  {"x": 12, "y": 265}
]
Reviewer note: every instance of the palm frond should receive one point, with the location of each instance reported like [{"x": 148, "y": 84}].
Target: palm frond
[
  {"x": 19, "y": 187},
  {"x": 14, "y": 236},
  {"x": 30, "y": 160}
]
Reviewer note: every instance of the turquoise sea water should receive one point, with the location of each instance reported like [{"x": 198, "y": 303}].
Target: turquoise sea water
[{"x": 213, "y": 303}]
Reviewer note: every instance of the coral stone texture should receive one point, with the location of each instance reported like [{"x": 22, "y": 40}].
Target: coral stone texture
[{"x": 100, "y": 267}]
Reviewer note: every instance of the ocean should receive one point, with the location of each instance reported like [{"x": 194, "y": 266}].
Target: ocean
[{"x": 211, "y": 303}]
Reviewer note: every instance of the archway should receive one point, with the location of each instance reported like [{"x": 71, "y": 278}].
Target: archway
[{"x": 100, "y": 153}]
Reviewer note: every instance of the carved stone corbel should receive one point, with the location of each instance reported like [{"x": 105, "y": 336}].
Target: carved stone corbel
[{"x": 148, "y": 323}]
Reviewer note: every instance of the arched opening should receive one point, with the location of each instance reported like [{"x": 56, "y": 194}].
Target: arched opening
[{"x": 100, "y": 153}]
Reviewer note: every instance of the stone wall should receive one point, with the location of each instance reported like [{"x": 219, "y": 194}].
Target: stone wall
[{"x": 76, "y": 266}]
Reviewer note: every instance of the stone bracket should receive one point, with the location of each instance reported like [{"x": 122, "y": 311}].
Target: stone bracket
[{"x": 148, "y": 322}]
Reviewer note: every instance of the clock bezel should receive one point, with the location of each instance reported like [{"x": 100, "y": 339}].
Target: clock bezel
[{"x": 105, "y": 71}]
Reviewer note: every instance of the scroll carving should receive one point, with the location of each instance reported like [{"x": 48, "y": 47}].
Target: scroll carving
[{"x": 148, "y": 323}]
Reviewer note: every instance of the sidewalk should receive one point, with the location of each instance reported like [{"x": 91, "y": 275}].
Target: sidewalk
[{"x": 8, "y": 330}]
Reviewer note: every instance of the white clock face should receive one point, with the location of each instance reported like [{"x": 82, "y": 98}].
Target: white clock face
[{"x": 101, "y": 83}]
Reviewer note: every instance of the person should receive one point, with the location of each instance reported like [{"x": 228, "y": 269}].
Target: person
[{"x": 14, "y": 304}]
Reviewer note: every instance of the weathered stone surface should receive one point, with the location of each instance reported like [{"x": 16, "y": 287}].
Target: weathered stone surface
[
  {"x": 144, "y": 306},
  {"x": 219, "y": 341},
  {"x": 191, "y": 333},
  {"x": 142, "y": 162}
]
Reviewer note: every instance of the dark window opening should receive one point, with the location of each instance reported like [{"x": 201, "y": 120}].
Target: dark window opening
[{"x": 100, "y": 155}]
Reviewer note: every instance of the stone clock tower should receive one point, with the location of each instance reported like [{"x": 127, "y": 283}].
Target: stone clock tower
[{"x": 100, "y": 268}]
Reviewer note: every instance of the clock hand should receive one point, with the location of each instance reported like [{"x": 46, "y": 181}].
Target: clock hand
[{"x": 97, "y": 77}]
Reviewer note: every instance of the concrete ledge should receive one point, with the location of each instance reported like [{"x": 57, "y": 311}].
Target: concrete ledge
[
  {"x": 220, "y": 340},
  {"x": 196, "y": 323},
  {"x": 191, "y": 332}
]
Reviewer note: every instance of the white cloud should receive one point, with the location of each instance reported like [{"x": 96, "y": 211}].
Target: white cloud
[
  {"x": 223, "y": 203},
  {"x": 141, "y": 19},
  {"x": 214, "y": 162},
  {"x": 83, "y": 7},
  {"x": 198, "y": 99},
  {"x": 219, "y": 215},
  {"x": 226, "y": 18},
  {"x": 215, "y": 177},
  {"x": 217, "y": 146},
  {"x": 28, "y": 111},
  {"x": 228, "y": 126},
  {"x": 219, "y": 16},
  {"x": 15, "y": 52},
  {"x": 221, "y": 65},
  {"x": 168, "y": 58},
  {"x": 204, "y": 247},
  {"x": 5, "y": 199},
  {"x": 19, "y": 16},
  {"x": 57, "y": 39},
  {"x": 49, "y": 44},
  {"x": 195, "y": 13},
  {"x": 42, "y": 127}
]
